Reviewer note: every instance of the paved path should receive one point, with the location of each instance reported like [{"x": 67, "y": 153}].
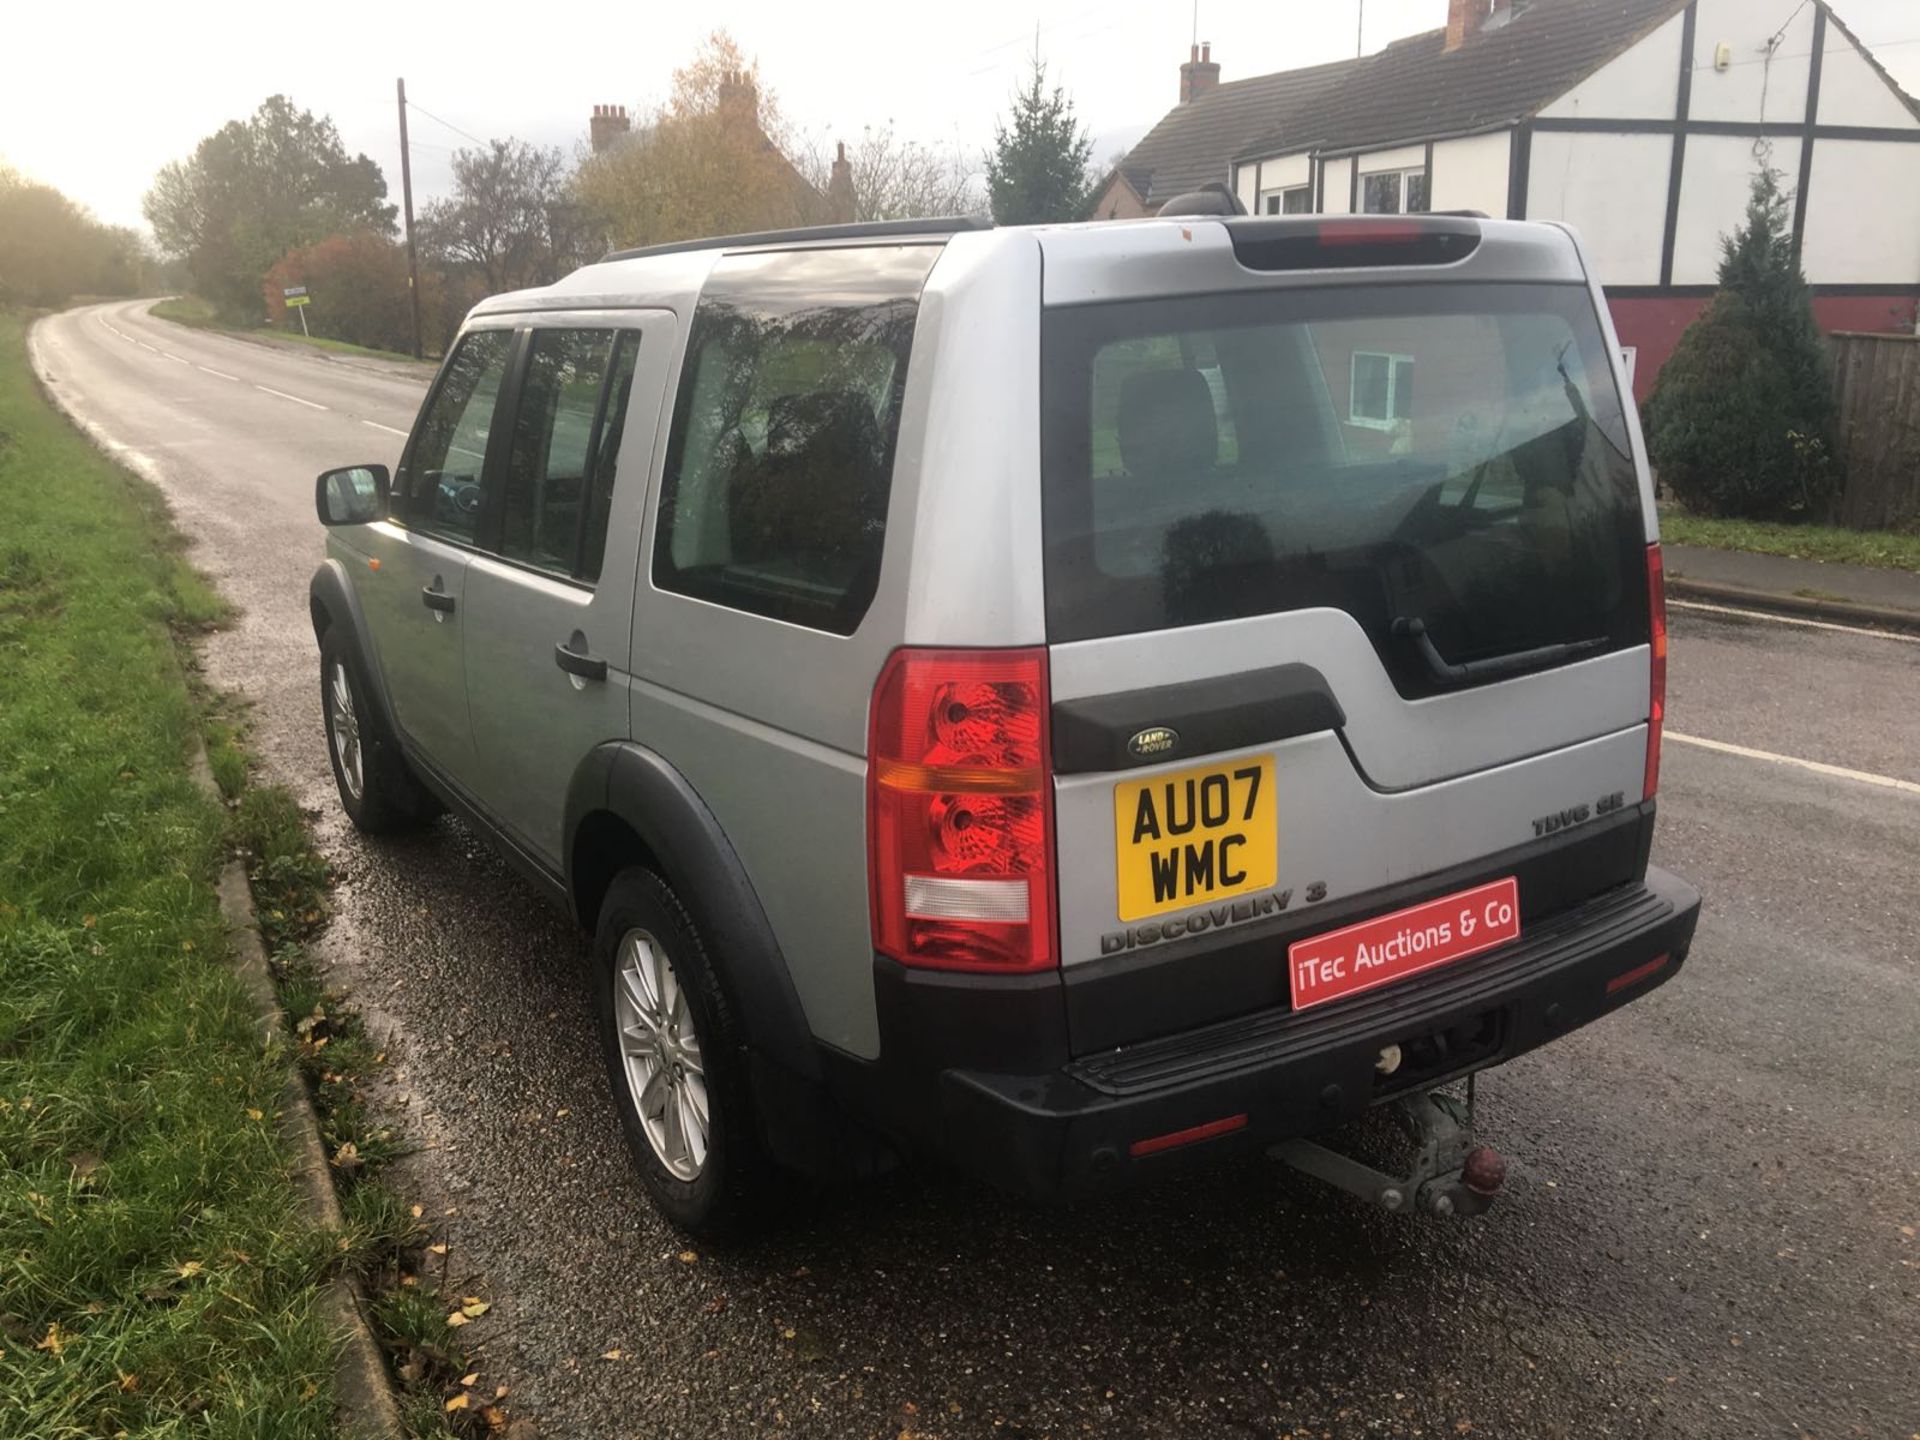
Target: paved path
[
  {"x": 1784, "y": 575},
  {"x": 1704, "y": 1234}
]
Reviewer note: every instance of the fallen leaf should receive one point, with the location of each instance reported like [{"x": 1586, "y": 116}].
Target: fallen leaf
[
  {"x": 87, "y": 922},
  {"x": 412, "y": 1371},
  {"x": 347, "y": 1157},
  {"x": 54, "y": 1341},
  {"x": 128, "y": 1383},
  {"x": 415, "y": 1211},
  {"x": 500, "y": 1392},
  {"x": 460, "y": 1401},
  {"x": 188, "y": 1269},
  {"x": 473, "y": 1308},
  {"x": 495, "y": 1417},
  {"x": 688, "y": 1257},
  {"x": 436, "y": 1249},
  {"x": 1908, "y": 1231},
  {"x": 456, "y": 1320},
  {"x": 561, "y": 1114},
  {"x": 253, "y": 1114},
  {"x": 613, "y": 1355},
  {"x": 472, "y": 1379}
]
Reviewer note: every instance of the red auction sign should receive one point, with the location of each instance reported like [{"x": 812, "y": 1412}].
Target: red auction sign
[{"x": 1391, "y": 947}]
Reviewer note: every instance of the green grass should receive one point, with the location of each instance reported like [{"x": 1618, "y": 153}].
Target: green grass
[
  {"x": 1888, "y": 550},
  {"x": 156, "y": 1275},
  {"x": 192, "y": 310}
]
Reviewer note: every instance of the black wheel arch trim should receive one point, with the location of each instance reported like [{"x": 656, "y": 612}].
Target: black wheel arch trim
[
  {"x": 644, "y": 791},
  {"x": 331, "y": 593}
]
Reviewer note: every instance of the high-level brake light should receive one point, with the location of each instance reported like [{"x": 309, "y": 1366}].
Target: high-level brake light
[{"x": 960, "y": 810}]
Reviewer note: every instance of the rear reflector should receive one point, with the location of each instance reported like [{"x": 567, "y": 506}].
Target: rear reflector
[
  {"x": 1637, "y": 974},
  {"x": 1187, "y": 1137},
  {"x": 1657, "y": 674},
  {"x": 960, "y": 810}
]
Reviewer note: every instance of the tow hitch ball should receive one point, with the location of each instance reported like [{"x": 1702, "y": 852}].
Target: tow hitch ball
[{"x": 1450, "y": 1175}]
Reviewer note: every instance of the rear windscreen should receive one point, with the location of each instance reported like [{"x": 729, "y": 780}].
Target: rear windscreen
[{"x": 1448, "y": 454}]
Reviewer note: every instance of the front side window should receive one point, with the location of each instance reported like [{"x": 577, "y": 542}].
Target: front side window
[
  {"x": 1450, "y": 453},
  {"x": 559, "y": 477},
  {"x": 774, "y": 495},
  {"x": 438, "y": 488}
]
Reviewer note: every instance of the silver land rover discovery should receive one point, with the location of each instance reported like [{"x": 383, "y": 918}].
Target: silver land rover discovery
[{"x": 1071, "y": 702}]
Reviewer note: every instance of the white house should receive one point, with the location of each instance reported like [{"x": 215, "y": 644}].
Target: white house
[{"x": 1640, "y": 122}]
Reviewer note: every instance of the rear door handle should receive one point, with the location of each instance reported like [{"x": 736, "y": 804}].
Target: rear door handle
[
  {"x": 574, "y": 662},
  {"x": 436, "y": 599}
]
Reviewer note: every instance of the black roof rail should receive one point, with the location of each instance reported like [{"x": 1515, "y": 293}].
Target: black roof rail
[{"x": 862, "y": 230}]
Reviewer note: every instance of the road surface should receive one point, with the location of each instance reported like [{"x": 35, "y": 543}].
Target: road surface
[{"x": 1709, "y": 1230}]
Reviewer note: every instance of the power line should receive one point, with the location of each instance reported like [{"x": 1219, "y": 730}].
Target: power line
[{"x": 416, "y": 106}]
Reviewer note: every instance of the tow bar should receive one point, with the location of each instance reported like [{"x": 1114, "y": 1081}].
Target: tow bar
[{"x": 1450, "y": 1174}]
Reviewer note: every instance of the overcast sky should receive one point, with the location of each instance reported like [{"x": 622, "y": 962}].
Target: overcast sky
[{"x": 99, "y": 95}]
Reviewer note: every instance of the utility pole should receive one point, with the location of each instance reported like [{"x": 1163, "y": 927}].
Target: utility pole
[
  {"x": 1360, "y": 31},
  {"x": 406, "y": 198}
]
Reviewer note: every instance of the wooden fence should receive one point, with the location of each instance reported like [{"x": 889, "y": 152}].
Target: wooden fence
[{"x": 1878, "y": 383}]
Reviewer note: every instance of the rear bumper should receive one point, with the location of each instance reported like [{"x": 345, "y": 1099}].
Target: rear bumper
[{"x": 1066, "y": 1130}]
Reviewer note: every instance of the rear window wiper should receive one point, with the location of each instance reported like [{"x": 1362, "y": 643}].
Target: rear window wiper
[{"x": 1445, "y": 672}]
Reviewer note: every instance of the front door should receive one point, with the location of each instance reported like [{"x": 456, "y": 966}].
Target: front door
[
  {"x": 549, "y": 598},
  {"x": 413, "y": 591}
]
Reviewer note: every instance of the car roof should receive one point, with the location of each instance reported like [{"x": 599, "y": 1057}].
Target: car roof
[{"x": 1085, "y": 261}]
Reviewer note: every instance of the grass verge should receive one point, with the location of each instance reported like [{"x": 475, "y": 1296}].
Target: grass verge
[
  {"x": 192, "y": 310},
  {"x": 157, "y": 1276},
  {"x": 157, "y": 1273},
  {"x": 1885, "y": 549}
]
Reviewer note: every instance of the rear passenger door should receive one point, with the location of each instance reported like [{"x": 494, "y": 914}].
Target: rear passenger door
[
  {"x": 413, "y": 589},
  {"x": 549, "y": 598}
]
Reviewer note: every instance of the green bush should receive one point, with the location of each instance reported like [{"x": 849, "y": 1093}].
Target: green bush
[{"x": 1740, "y": 423}]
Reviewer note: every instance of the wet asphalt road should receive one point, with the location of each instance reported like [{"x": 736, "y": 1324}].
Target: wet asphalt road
[{"x": 1708, "y": 1232}]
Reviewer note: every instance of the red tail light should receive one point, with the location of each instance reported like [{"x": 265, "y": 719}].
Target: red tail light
[
  {"x": 960, "y": 810},
  {"x": 1657, "y": 679},
  {"x": 1370, "y": 232}
]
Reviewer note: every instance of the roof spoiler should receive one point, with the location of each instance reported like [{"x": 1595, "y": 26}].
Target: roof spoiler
[
  {"x": 1212, "y": 198},
  {"x": 1352, "y": 242}
]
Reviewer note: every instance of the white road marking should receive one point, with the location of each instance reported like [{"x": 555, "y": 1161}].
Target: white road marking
[
  {"x": 145, "y": 346},
  {"x": 310, "y": 404},
  {"x": 1886, "y": 782},
  {"x": 1791, "y": 620},
  {"x": 388, "y": 428},
  {"x": 221, "y": 373},
  {"x": 175, "y": 358}
]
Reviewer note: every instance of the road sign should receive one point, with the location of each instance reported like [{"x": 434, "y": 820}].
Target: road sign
[
  {"x": 294, "y": 302},
  {"x": 293, "y": 290}
]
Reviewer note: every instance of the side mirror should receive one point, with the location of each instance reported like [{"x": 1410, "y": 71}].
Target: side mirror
[{"x": 354, "y": 495}]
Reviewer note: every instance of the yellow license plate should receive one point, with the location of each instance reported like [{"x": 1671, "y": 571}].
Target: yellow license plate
[{"x": 1195, "y": 836}]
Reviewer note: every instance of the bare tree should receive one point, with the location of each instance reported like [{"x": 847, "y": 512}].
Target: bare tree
[
  {"x": 511, "y": 219},
  {"x": 895, "y": 178}
]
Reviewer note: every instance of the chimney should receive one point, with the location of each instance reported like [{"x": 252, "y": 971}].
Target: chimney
[
  {"x": 1464, "y": 18},
  {"x": 608, "y": 125},
  {"x": 739, "y": 95},
  {"x": 1200, "y": 74},
  {"x": 840, "y": 199}
]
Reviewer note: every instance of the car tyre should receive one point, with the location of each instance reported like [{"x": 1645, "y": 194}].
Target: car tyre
[
  {"x": 676, "y": 1060},
  {"x": 377, "y": 790}
]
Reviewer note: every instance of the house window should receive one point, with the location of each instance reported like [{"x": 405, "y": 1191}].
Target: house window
[
  {"x": 1296, "y": 201},
  {"x": 1381, "y": 397},
  {"x": 1394, "y": 192}
]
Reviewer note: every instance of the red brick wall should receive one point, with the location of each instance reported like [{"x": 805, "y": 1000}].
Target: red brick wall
[{"x": 1653, "y": 324}]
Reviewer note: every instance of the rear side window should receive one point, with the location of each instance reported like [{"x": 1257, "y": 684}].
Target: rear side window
[
  {"x": 559, "y": 478},
  {"x": 1450, "y": 454},
  {"x": 438, "y": 488},
  {"x": 774, "y": 496}
]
